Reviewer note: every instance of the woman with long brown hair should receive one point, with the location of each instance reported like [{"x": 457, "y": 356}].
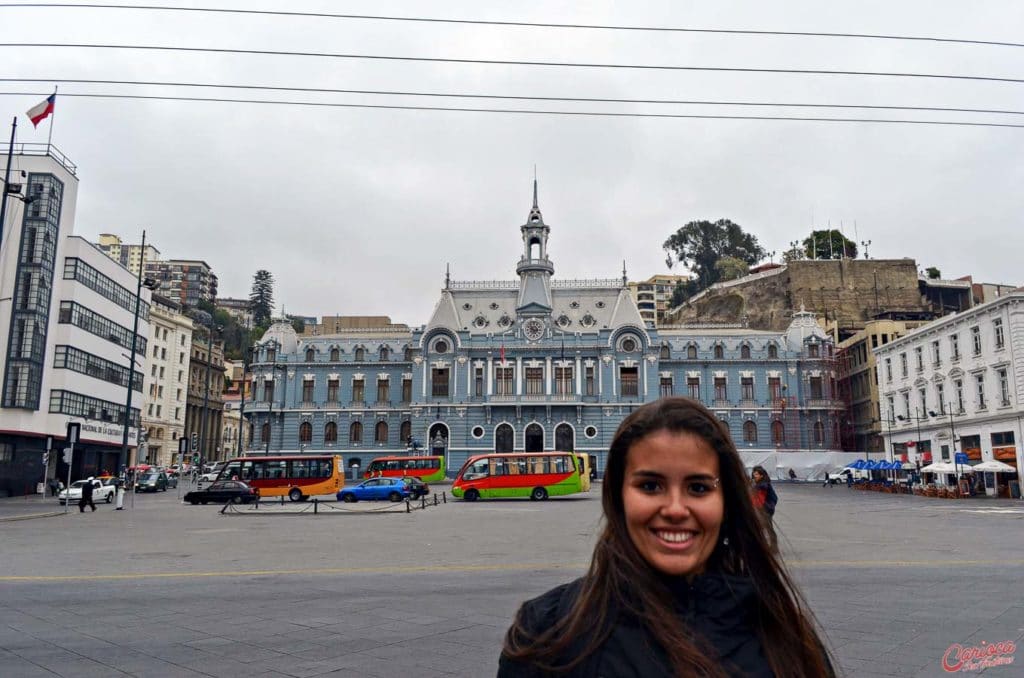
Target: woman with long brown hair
[{"x": 682, "y": 581}]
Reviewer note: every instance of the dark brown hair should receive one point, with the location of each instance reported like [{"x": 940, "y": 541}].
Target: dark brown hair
[{"x": 620, "y": 579}]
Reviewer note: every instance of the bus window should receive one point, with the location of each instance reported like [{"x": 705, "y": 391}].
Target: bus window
[
  {"x": 276, "y": 468},
  {"x": 246, "y": 471},
  {"x": 538, "y": 465},
  {"x": 323, "y": 469},
  {"x": 559, "y": 464},
  {"x": 298, "y": 468},
  {"x": 498, "y": 466},
  {"x": 232, "y": 470},
  {"x": 392, "y": 465},
  {"x": 476, "y": 470}
]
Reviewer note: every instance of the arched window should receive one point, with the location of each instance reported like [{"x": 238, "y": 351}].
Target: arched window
[
  {"x": 745, "y": 352},
  {"x": 265, "y": 433},
  {"x": 384, "y": 353},
  {"x": 405, "y": 431},
  {"x": 504, "y": 438},
  {"x": 749, "y": 432},
  {"x": 380, "y": 434},
  {"x": 335, "y": 355},
  {"x": 778, "y": 433},
  {"x": 719, "y": 352},
  {"x": 306, "y": 432},
  {"x": 691, "y": 352},
  {"x": 330, "y": 432},
  {"x": 360, "y": 354},
  {"x": 355, "y": 432},
  {"x": 819, "y": 433},
  {"x": 534, "y": 438},
  {"x": 773, "y": 351},
  {"x": 666, "y": 352},
  {"x": 310, "y": 355},
  {"x": 564, "y": 438}
]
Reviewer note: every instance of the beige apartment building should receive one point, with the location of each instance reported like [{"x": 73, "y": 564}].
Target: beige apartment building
[
  {"x": 858, "y": 381},
  {"x": 165, "y": 386},
  {"x": 129, "y": 256},
  {"x": 654, "y": 296}
]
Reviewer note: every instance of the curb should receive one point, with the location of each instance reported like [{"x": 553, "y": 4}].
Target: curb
[{"x": 30, "y": 516}]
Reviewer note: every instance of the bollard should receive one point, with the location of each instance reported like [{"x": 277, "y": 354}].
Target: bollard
[
  {"x": 316, "y": 502},
  {"x": 408, "y": 509},
  {"x": 444, "y": 498},
  {"x": 435, "y": 499}
]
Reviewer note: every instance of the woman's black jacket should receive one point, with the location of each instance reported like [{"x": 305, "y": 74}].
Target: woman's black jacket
[{"x": 719, "y": 608}]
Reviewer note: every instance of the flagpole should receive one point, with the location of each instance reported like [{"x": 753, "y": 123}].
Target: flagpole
[
  {"x": 7, "y": 179},
  {"x": 52, "y": 116}
]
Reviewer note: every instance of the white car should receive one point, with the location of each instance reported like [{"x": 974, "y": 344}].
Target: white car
[{"x": 101, "y": 491}]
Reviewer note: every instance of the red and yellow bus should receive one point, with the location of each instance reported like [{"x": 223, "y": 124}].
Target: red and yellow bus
[
  {"x": 296, "y": 476},
  {"x": 537, "y": 475},
  {"x": 427, "y": 469}
]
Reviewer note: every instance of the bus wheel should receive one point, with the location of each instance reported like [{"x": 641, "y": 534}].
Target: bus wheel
[
  {"x": 472, "y": 495},
  {"x": 395, "y": 497},
  {"x": 538, "y": 494},
  {"x": 295, "y": 494}
]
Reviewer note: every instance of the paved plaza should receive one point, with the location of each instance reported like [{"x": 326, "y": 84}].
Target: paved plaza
[{"x": 165, "y": 589}]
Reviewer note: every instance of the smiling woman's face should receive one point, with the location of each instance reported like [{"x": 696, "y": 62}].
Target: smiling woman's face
[{"x": 673, "y": 501}]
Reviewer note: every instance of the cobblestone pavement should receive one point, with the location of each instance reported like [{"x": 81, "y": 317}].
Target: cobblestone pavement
[{"x": 165, "y": 589}]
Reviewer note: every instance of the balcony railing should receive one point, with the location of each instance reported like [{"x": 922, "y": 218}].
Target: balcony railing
[
  {"x": 357, "y": 403},
  {"x": 720, "y": 402},
  {"x": 380, "y": 404}
]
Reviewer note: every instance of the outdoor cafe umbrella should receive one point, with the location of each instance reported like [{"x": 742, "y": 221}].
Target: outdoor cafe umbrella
[{"x": 994, "y": 466}]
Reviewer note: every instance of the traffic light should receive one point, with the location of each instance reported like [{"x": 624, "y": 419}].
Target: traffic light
[
  {"x": 195, "y": 442},
  {"x": 67, "y": 455}
]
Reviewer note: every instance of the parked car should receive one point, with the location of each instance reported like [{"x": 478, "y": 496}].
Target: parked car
[
  {"x": 393, "y": 489},
  {"x": 223, "y": 491},
  {"x": 100, "y": 491},
  {"x": 212, "y": 474},
  {"x": 172, "y": 480},
  {"x": 417, "y": 488}
]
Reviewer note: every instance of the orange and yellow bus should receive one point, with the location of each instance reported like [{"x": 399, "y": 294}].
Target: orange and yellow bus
[
  {"x": 427, "y": 469},
  {"x": 296, "y": 476},
  {"x": 537, "y": 475}
]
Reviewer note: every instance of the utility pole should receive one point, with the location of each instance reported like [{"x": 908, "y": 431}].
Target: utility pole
[
  {"x": 123, "y": 458},
  {"x": 7, "y": 179}
]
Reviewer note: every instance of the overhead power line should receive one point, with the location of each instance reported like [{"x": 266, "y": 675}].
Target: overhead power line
[
  {"x": 603, "y": 114},
  {"x": 504, "y": 62},
  {"x": 510, "y": 97},
  {"x": 515, "y": 24}
]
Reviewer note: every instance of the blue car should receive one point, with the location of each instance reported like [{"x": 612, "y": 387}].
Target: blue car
[{"x": 393, "y": 489}]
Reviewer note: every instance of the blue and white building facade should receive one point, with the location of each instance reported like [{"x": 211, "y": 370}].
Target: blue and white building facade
[{"x": 536, "y": 364}]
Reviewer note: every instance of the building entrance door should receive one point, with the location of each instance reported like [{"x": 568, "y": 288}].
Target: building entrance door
[{"x": 534, "y": 438}]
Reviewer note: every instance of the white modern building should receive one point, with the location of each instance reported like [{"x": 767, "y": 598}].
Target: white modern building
[
  {"x": 166, "y": 381},
  {"x": 67, "y": 315},
  {"x": 957, "y": 385}
]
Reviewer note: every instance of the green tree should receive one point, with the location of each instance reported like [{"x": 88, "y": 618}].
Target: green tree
[
  {"x": 298, "y": 324},
  {"x": 261, "y": 298},
  {"x": 730, "y": 268},
  {"x": 700, "y": 244},
  {"x": 933, "y": 273},
  {"x": 683, "y": 290},
  {"x": 829, "y": 244}
]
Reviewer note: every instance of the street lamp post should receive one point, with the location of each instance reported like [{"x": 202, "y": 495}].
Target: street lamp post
[
  {"x": 246, "y": 359},
  {"x": 952, "y": 440},
  {"x": 123, "y": 457}
]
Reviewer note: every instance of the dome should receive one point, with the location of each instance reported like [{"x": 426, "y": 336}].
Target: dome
[
  {"x": 284, "y": 334},
  {"x": 803, "y": 326}
]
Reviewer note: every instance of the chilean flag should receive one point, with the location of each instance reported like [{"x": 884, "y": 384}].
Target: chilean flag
[{"x": 40, "y": 111}]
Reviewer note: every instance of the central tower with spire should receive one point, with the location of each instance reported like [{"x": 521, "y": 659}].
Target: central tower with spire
[{"x": 534, "y": 269}]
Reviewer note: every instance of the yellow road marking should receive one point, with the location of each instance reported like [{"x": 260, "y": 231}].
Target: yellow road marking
[{"x": 500, "y": 567}]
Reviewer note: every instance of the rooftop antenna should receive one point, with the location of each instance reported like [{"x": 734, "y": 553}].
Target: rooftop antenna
[
  {"x": 447, "y": 276},
  {"x": 624, "y": 278}
]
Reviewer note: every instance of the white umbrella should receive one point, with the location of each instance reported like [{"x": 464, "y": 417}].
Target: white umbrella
[{"x": 994, "y": 466}]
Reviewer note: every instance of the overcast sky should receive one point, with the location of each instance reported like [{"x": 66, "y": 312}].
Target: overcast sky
[{"x": 357, "y": 211}]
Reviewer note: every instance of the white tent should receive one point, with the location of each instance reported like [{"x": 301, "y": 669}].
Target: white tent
[{"x": 994, "y": 466}]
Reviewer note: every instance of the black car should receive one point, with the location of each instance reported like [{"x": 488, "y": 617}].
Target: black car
[
  {"x": 417, "y": 488},
  {"x": 223, "y": 491}
]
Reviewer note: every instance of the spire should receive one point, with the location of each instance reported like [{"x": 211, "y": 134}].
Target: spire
[
  {"x": 625, "y": 280},
  {"x": 535, "y": 188},
  {"x": 447, "y": 275}
]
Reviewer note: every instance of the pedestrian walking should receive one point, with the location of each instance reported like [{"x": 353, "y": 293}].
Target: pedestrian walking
[
  {"x": 765, "y": 499},
  {"x": 52, "y": 483},
  {"x": 682, "y": 581},
  {"x": 86, "y": 499}
]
